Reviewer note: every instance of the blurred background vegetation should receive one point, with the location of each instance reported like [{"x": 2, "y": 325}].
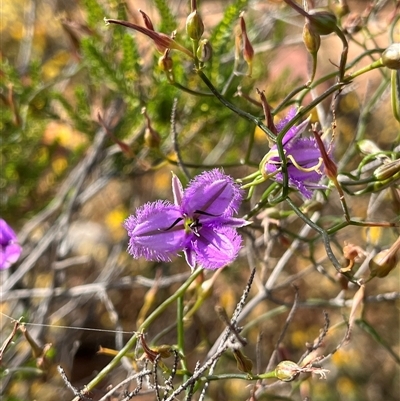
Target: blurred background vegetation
[{"x": 69, "y": 179}]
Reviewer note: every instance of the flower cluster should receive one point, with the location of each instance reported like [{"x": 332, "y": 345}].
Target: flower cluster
[
  {"x": 10, "y": 250},
  {"x": 304, "y": 160},
  {"x": 200, "y": 223}
]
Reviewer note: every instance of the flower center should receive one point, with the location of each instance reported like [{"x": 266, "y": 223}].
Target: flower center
[{"x": 192, "y": 225}]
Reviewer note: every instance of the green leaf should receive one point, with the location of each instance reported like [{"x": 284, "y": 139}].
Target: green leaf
[
  {"x": 130, "y": 64},
  {"x": 363, "y": 324},
  {"x": 95, "y": 13},
  {"x": 99, "y": 65},
  {"x": 222, "y": 33},
  {"x": 168, "y": 21}
]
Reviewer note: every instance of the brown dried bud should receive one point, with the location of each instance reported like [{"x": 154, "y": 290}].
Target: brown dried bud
[
  {"x": 244, "y": 364},
  {"x": 248, "y": 51},
  {"x": 385, "y": 261},
  {"x": 147, "y": 20},
  {"x": 391, "y": 57},
  {"x": 161, "y": 40},
  {"x": 330, "y": 166}
]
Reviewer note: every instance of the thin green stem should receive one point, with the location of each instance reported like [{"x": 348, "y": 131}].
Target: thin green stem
[
  {"x": 368, "y": 68},
  {"x": 362, "y": 123},
  {"x": 320, "y": 230},
  {"x": 240, "y": 376},
  {"x": 343, "y": 56},
  {"x": 263, "y": 201},
  {"x": 181, "y": 332},
  {"x": 132, "y": 341},
  {"x": 285, "y": 101},
  {"x": 395, "y": 94},
  {"x": 249, "y": 147},
  {"x": 190, "y": 91},
  {"x": 257, "y": 121}
]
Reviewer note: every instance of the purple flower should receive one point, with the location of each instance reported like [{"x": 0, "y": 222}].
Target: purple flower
[
  {"x": 304, "y": 160},
  {"x": 199, "y": 223},
  {"x": 10, "y": 250}
]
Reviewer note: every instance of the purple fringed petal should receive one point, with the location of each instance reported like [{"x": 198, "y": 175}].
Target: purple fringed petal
[
  {"x": 291, "y": 113},
  {"x": 306, "y": 155},
  {"x": 216, "y": 247},
  {"x": 301, "y": 187},
  {"x": 200, "y": 223},
  {"x": 7, "y": 234},
  {"x": 177, "y": 190},
  {"x": 156, "y": 231},
  {"x": 304, "y": 183},
  {"x": 9, "y": 255},
  {"x": 225, "y": 221},
  {"x": 212, "y": 192},
  {"x": 190, "y": 256},
  {"x": 10, "y": 250}
]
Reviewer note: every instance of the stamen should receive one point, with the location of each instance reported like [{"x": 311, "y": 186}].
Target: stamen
[
  {"x": 306, "y": 169},
  {"x": 195, "y": 226}
]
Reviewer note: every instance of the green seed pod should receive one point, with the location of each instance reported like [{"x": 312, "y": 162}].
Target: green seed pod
[
  {"x": 204, "y": 51},
  {"x": 287, "y": 371},
  {"x": 194, "y": 25},
  {"x": 395, "y": 93},
  {"x": 387, "y": 170},
  {"x": 311, "y": 39},
  {"x": 368, "y": 147},
  {"x": 323, "y": 22},
  {"x": 391, "y": 57},
  {"x": 342, "y": 9}
]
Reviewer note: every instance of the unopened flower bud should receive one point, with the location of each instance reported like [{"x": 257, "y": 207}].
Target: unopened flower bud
[
  {"x": 391, "y": 57},
  {"x": 387, "y": 170},
  {"x": 204, "y": 51},
  {"x": 248, "y": 51},
  {"x": 368, "y": 147},
  {"x": 385, "y": 261},
  {"x": 341, "y": 8},
  {"x": 330, "y": 165},
  {"x": 161, "y": 40},
  {"x": 323, "y": 22},
  {"x": 165, "y": 62},
  {"x": 194, "y": 25},
  {"x": 152, "y": 138},
  {"x": 311, "y": 39},
  {"x": 147, "y": 21},
  {"x": 287, "y": 371}
]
